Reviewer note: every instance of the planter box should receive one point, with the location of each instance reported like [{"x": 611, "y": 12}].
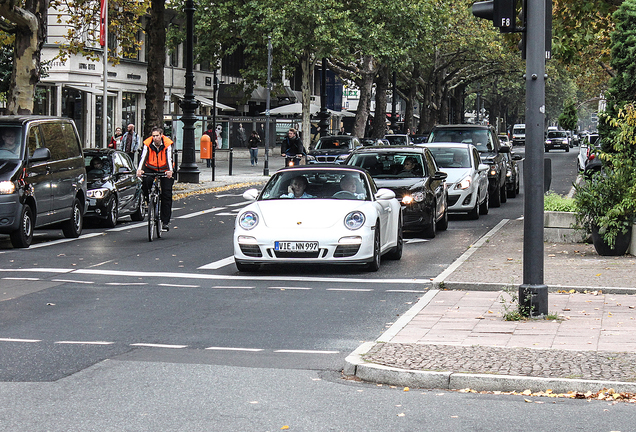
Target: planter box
[{"x": 558, "y": 227}]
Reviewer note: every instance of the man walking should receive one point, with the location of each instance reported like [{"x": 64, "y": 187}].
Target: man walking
[{"x": 130, "y": 142}]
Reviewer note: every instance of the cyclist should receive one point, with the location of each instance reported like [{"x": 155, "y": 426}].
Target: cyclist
[{"x": 156, "y": 157}]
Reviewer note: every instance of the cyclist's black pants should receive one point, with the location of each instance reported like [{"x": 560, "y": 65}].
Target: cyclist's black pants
[{"x": 166, "y": 196}]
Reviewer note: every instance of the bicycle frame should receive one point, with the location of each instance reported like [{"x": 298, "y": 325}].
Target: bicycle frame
[{"x": 154, "y": 201}]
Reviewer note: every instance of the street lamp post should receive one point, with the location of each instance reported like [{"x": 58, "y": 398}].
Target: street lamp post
[
  {"x": 189, "y": 171},
  {"x": 323, "y": 114},
  {"x": 267, "y": 104}
]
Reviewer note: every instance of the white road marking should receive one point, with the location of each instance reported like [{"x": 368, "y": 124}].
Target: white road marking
[
  {"x": 234, "y": 349},
  {"x": 228, "y": 195},
  {"x": 72, "y": 281},
  {"x": 415, "y": 240},
  {"x": 38, "y": 270},
  {"x": 226, "y": 214},
  {"x": 306, "y": 352},
  {"x": 84, "y": 343},
  {"x": 238, "y": 204},
  {"x": 60, "y": 241},
  {"x": 125, "y": 283},
  {"x": 178, "y": 286},
  {"x": 288, "y": 288},
  {"x": 200, "y": 213},
  {"x": 19, "y": 340},
  {"x": 350, "y": 289},
  {"x": 406, "y": 291},
  {"x": 231, "y": 287},
  {"x": 21, "y": 278},
  {"x": 131, "y": 226},
  {"x": 159, "y": 345},
  {"x": 217, "y": 264}
]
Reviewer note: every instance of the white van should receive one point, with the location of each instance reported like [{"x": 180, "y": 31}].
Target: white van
[{"x": 519, "y": 134}]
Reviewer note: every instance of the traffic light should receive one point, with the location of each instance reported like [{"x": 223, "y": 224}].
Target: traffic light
[{"x": 500, "y": 12}]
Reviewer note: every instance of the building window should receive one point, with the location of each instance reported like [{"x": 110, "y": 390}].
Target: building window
[
  {"x": 128, "y": 108},
  {"x": 232, "y": 64},
  {"x": 174, "y": 57}
]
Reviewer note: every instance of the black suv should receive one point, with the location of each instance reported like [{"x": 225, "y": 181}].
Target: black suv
[
  {"x": 42, "y": 177},
  {"x": 333, "y": 149},
  {"x": 491, "y": 151}
]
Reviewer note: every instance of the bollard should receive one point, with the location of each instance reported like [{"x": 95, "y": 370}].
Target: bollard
[{"x": 230, "y": 159}]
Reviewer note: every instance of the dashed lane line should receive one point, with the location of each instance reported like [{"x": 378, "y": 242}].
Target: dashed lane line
[
  {"x": 85, "y": 343},
  {"x": 234, "y": 349}
]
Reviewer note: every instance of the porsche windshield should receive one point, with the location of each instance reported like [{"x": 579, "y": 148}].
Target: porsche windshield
[
  {"x": 317, "y": 184},
  {"x": 10, "y": 142},
  {"x": 390, "y": 164}
]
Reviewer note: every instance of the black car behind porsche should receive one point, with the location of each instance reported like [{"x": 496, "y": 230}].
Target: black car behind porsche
[
  {"x": 114, "y": 190},
  {"x": 410, "y": 172}
]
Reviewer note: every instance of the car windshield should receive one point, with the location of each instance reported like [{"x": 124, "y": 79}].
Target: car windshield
[
  {"x": 518, "y": 131},
  {"x": 451, "y": 157},
  {"x": 97, "y": 166},
  {"x": 477, "y": 137},
  {"x": 557, "y": 134},
  {"x": 397, "y": 139},
  {"x": 10, "y": 142},
  {"x": 390, "y": 164},
  {"x": 317, "y": 184},
  {"x": 333, "y": 143}
]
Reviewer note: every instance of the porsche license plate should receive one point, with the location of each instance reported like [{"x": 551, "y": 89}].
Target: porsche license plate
[{"x": 284, "y": 246}]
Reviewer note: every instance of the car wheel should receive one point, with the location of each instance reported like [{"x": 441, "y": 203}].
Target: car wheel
[
  {"x": 547, "y": 150},
  {"x": 512, "y": 192},
  {"x": 442, "y": 224},
  {"x": 474, "y": 213},
  {"x": 485, "y": 206},
  {"x": 431, "y": 229},
  {"x": 396, "y": 252},
  {"x": 374, "y": 265},
  {"x": 113, "y": 213},
  {"x": 567, "y": 149},
  {"x": 242, "y": 267},
  {"x": 72, "y": 228},
  {"x": 496, "y": 197},
  {"x": 22, "y": 237},
  {"x": 140, "y": 214}
]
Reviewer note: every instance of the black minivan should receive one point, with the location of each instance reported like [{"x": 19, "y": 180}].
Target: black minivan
[{"x": 42, "y": 177}]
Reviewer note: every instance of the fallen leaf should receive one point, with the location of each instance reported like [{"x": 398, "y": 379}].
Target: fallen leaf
[
  {"x": 406, "y": 389},
  {"x": 401, "y": 415},
  {"x": 285, "y": 427}
]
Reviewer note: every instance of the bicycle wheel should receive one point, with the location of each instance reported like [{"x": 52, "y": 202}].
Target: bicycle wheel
[
  {"x": 157, "y": 217},
  {"x": 151, "y": 217}
]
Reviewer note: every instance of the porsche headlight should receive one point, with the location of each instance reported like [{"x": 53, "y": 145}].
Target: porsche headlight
[
  {"x": 414, "y": 197},
  {"x": 7, "y": 187},
  {"x": 463, "y": 184},
  {"x": 248, "y": 220},
  {"x": 354, "y": 220},
  {"x": 97, "y": 193}
]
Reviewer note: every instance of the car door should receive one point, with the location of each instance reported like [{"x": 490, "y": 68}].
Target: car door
[
  {"x": 38, "y": 177},
  {"x": 384, "y": 210},
  {"x": 125, "y": 183},
  {"x": 437, "y": 186},
  {"x": 482, "y": 176},
  {"x": 66, "y": 165}
]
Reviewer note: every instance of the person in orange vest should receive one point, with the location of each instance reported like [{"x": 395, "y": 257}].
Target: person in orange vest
[{"x": 156, "y": 157}]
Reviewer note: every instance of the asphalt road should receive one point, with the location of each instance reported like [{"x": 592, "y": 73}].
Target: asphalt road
[{"x": 111, "y": 332}]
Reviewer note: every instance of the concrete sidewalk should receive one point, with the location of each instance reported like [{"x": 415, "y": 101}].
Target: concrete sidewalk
[{"x": 455, "y": 337}]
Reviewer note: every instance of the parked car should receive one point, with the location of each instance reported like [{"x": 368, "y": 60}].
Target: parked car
[
  {"x": 594, "y": 163},
  {"x": 318, "y": 214},
  {"x": 421, "y": 189},
  {"x": 42, "y": 177},
  {"x": 367, "y": 142},
  {"x": 557, "y": 140},
  {"x": 398, "y": 139},
  {"x": 587, "y": 150},
  {"x": 513, "y": 180},
  {"x": 333, "y": 149},
  {"x": 113, "y": 189},
  {"x": 504, "y": 140},
  {"x": 467, "y": 180},
  {"x": 490, "y": 150},
  {"x": 419, "y": 139}
]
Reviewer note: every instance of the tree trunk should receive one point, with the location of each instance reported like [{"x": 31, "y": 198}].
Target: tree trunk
[
  {"x": 379, "y": 120},
  {"x": 365, "y": 84},
  {"x": 30, "y": 32},
  {"x": 156, "y": 43}
]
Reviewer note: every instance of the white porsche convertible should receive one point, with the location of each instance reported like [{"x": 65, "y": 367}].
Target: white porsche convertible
[{"x": 318, "y": 214}]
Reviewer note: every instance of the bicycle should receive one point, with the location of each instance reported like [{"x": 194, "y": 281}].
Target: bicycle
[{"x": 154, "y": 201}]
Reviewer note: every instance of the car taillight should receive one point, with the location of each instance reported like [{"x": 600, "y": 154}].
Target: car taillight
[{"x": 592, "y": 157}]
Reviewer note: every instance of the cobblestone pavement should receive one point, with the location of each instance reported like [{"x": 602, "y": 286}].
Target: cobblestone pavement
[{"x": 546, "y": 363}]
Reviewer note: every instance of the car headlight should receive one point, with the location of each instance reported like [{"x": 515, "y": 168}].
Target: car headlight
[
  {"x": 343, "y": 156},
  {"x": 509, "y": 173},
  {"x": 310, "y": 157},
  {"x": 354, "y": 220},
  {"x": 7, "y": 187},
  {"x": 248, "y": 220},
  {"x": 464, "y": 183},
  {"x": 493, "y": 170},
  {"x": 97, "y": 193},
  {"x": 414, "y": 197}
]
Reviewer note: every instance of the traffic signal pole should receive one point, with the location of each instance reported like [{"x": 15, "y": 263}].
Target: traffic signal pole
[{"x": 533, "y": 293}]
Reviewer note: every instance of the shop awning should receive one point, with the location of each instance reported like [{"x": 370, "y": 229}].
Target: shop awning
[
  {"x": 94, "y": 90},
  {"x": 207, "y": 102}
]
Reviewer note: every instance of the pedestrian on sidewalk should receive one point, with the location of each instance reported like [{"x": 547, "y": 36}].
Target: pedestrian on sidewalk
[
  {"x": 254, "y": 142},
  {"x": 130, "y": 142},
  {"x": 212, "y": 134}
]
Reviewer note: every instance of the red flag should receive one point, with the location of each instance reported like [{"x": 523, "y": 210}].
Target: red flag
[{"x": 102, "y": 22}]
